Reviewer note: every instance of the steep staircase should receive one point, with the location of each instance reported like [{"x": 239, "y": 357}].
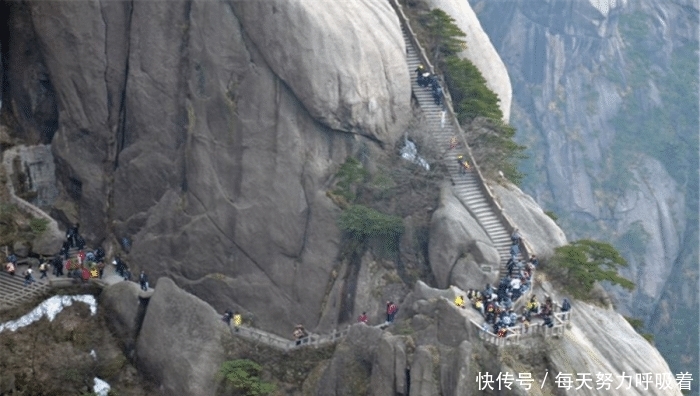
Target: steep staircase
[
  {"x": 466, "y": 186},
  {"x": 14, "y": 293}
]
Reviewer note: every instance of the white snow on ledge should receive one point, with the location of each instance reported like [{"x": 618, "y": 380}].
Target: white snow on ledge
[
  {"x": 101, "y": 387},
  {"x": 50, "y": 308}
]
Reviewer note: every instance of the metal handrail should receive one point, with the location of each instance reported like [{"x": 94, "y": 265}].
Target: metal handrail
[{"x": 498, "y": 210}]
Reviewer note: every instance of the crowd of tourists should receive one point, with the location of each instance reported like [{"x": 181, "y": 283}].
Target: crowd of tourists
[
  {"x": 430, "y": 81},
  {"x": 497, "y": 305},
  {"x": 86, "y": 264}
]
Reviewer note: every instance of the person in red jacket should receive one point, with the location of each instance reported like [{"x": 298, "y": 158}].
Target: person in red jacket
[
  {"x": 391, "y": 309},
  {"x": 363, "y": 318}
]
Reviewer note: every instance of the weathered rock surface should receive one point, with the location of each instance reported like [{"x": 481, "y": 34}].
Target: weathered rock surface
[
  {"x": 594, "y": 84},
  {"x": 207, "y": 139},
  {"x": 480, "y": 51},
  {"x": 351, "y": 365},
  {"x": 540, "y": 232},
  {"x": 357, "y": 85},
  {"x": 458, "y": 246},
  {"x": 602, "y": 341},
  {"x": 126, "y": 311},
  {"x": 179, "y": 345}
]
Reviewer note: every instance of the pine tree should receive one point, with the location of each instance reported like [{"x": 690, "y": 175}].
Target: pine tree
[{"x": 444, "y": 34}]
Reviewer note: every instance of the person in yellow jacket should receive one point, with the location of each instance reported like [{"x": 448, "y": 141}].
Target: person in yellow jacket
[
  {"x": 237, "y": 321},
  {"x": 459, "y": 301}
]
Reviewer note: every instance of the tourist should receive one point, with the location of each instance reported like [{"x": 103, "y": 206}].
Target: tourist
[
  {"x": 237, "y": 321},
  {"x": 515, "y": 237},
  {"x": 227, "y": 316},
  {"x": 565, "y": 305},
  {"x": 363, "y": 318},
  {"x": 391, "y": 310},
  {"x": 143, "y": 281},
  {"x": 10, "y": 268},
  {"x": 44, "y": 269},
  {"x": 299, "y": 333},
  {"x": 28, "y": 276}
]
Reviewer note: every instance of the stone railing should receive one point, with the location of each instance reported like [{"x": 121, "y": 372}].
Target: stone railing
[
  {"x": 277, "y": 342},
  {"x": 493, "y": 203},
  {"x": 515, "y": 333}
]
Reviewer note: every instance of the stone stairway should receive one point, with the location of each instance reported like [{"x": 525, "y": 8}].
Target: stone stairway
[
  {"x": 466, "y": 186},
  {"x": 14, "y": 293}
]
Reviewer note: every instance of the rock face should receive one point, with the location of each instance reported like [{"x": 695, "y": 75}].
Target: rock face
[
  {"x": 459, "y": 246},
  {"x": 207, "y": 139},
  {"x": 126, "y": 310},
  {"x": 602, "y": 341},
  {"x": 597, "y": 86},
  {"x": 480, "y": 51},
  {"x": 343, "y": 89},
  {"x": 179, "y": 345},
  {"x": 539, "y": 230}
]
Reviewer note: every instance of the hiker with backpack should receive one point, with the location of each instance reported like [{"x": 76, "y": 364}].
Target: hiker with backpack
[{"x": 43, "y": 268}]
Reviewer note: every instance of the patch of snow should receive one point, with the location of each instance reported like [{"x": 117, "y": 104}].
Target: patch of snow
[
  {"x": 101, "y": 388},
  {"x": 49, "y": 308}
]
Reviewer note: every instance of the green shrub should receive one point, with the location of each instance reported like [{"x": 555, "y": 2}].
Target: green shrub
[
  {"x": 551, "y": 215},
  {"x": 581, "y": 264},
  {"x": 348, "y": 176},
  {"x": 244, "y": 376},
  {"x": 38, "y": 225},
  {"x": 362, "y": 222},
  {"x": 444, "y": 36},
  {"x": 471, "y": 97}
]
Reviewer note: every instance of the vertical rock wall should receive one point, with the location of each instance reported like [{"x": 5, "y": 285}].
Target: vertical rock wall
[{"x": 209, "y": 141}]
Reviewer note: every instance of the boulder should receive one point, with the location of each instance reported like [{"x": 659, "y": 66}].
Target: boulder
[
  {"x": 539, "y": 231},
  {"x": 350, "y": 368},
  {"x": 423, "y": 381},
  {"x": 21, "y": 249},
  {"x": 125, "y": 311},
  {"x": 383, "y": 380},
  {"x": 49, "y": 242},
  {"x": 453, "y": 325},
  {"x": 602, "y": 341},
  {"x": 362, "y": 85},
  {"x": 454, "y": 234},
  {"x": 179, "y": 345},
  {"x": 480, "y": 51},
  {"x": 462, "y": 371}
]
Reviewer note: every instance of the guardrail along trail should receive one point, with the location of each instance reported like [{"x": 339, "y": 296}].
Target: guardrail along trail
[{"x": 442, "y": 125}]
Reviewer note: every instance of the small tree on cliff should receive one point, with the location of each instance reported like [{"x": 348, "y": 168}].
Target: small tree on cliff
[
  {"x": 585, "y": 262},
  {"x": 444, "y": 36},
  {"x": 243, "y": 376}
]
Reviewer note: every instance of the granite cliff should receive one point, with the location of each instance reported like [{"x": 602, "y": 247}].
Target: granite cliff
[
  {"x": 605, "y": 96},
  {"x": 207, "y": 134},
  {"x": 204, "y": 138}
]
